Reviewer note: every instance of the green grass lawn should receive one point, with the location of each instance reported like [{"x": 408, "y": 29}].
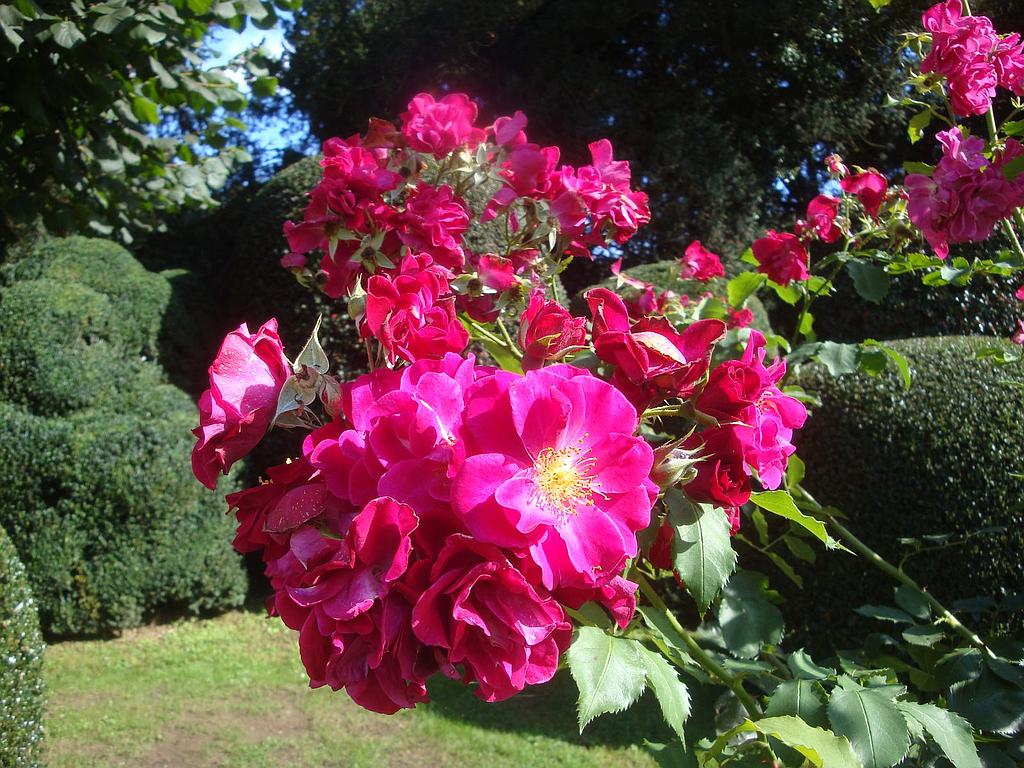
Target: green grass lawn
[{"x": 231, "y": 691}]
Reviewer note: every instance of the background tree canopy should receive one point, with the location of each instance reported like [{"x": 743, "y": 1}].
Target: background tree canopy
[{"x": 724, "y": 110}]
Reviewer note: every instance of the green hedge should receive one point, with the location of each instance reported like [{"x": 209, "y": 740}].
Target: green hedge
[
  {"x": 936, "y": 459},
  {"x": 95, "y": 484},
  {"x": 21, "y": 665}
]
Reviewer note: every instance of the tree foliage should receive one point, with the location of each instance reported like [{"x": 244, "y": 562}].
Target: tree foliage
[{"x": 109, "y": 118}]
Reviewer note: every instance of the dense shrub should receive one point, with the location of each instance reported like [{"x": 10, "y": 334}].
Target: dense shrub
[
  {"x": 936, "y": 459},
  {"x": 21, "y": 665},
  {"x": 95, "y": 487}
]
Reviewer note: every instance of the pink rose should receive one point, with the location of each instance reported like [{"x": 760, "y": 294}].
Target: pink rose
[
  {"x": 821, "y": 217},
  {"x": 440, "y": 127},
  {"x": 782, "y": 257},
  {"x": 1018, "y": 336},
  {"x": 739, "y": 318},
  {"x": 1019, "y": 293},
  {"x": 869, "y": 187},
  {"x": 235, "y": 412},
  {"x": 486, "y": 616},
  {"x": 547, "y": 331},
  {"x": 698, "y": 263},
  {"x": 554, "y": 470},
  {"x": 413, "y": 316},
  {"x": 652, "y": 360},
  {"x": 434, "y": 220},
  {"x": 836, "y": 166}
]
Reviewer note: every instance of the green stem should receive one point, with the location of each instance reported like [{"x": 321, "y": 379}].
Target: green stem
[
  {"x": 698, "y": 654},
  {"x": 508, "y": 340},
  {"x": 684, "y": 410},
  {"x": 889, "y": 569}
]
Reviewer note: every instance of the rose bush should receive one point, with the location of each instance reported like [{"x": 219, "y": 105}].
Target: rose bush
[{"x": 486, "y": 521}]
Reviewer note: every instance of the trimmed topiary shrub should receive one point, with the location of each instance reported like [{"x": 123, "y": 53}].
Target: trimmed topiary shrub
[
  {"x": 936, "y": 459},
  {"x": 21, "y": 665},
  {"x": 95, "y": 487}
]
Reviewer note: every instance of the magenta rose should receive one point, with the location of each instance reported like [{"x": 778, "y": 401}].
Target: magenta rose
[
  {"x": 441, "y": 126},
  {"x": 722, "y": 477},
  {"x": 487, "y": 617},
  {"x": 547, "y": 331},
  {"x": 652, "y": 360},
  {"x": 869, "y": 187},
  {"x": 698, "y": 263},
  {"x": 782, "y": 257},
  {"x": 821, "y": 217},
  {"x": 235, "y": 412},
  {"x": 413, "y": 316}
]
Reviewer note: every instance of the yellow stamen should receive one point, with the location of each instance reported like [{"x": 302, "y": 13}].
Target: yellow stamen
[{"x": 564, "y": 479}]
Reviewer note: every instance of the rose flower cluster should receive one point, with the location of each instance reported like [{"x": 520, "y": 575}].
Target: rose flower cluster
[{"x": 447, "y": 516}]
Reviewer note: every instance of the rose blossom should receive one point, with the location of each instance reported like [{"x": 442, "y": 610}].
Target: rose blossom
[
  {"x": 652, "y": 360},
  {"x": 821, "y": 216},
  {"x": 486, "y": 616},
  {"x": 722, "y": 476},
  {"x": 441, "y": 126},
  {"x": 235, "y": 412},
  {"x": 745, "y": 392},
  {"x": 553, "y": 469},
  {"x": 1018, "y": 336},
  {"x": 1020, "y": 293},
  {"x": 413, "y": 316},
  {"x": 869, "y": 187},
  {"x": 433, "y": 222},
  {"x": 547, "y": 331},
  {"x": 782, "y": 257},
  {"x": 698, "y": 263}
]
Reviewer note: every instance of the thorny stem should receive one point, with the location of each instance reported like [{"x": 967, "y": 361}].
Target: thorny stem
[
  {"x": 698, "y": 654},
  {"x": 889, "y": 569}
]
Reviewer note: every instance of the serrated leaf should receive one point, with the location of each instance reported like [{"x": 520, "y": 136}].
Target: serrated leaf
[
  {"x": 608, "y": 671},
  {"x": 701, "y": 549},
  {"x": 884, "y": 613},
  {"x": 870, "y": 281},
  {"x": 748, "y": 619},
  {"x": 913, "y": 602},
  {"x": 871, "y": 721},
  {"x": 840, "y": 359},
  {"x": 781, "y": 503},
  {"x": 803, "y": 667},
  {"x": 923, "y": 636},
  {"x": 66, "y": 34},
  {"x": 950, "y": 731},
  {"x": 895, "y": 357},
  {"x": 822, "y": 747},
  {"x": 788, "y": 293},
  {"x": 742, "y": 286},
  {"x": 803, "y": 698},
  {"x": 671, "y": 693}
]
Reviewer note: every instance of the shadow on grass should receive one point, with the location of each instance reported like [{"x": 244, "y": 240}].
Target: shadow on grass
[{"x": 549, "y": 710}]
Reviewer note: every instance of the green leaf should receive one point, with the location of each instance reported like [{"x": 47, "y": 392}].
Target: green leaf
[
  {"x": 893, "y": 356},
  {"x": 879, "y": 4},
  {"x": 923, "y": 636},
  {"x": 788, "y": 293},
  {"x": 803, "y": 667},
  {"x": 917, "y": 125},
  {"x": 913, "y": 602},
  {"x": 1014, "y": 168},
  {"x": 662, "y": 630},
  {"x": 608, "y": 671},
  {"x": 702, "y": 552},
  {"x": 264, "y": 86},
  {"x": 66, "y": 34},
  {"x": 950, "y": 731},
  {"x": 800, "y": 549},
  {"x": 840, "y": 359},
  {"x": 884, "y": 613},
  {"x": 742, "y": 286},
  {"x": 870, "y": 281},
  {"x": 803, "y": 698},
  {"x": 748, "y": 619},
  {"x": 146, "y": 110},
  {"x": 822, "y": 747},
  {"x": 1013, "y": 128},
  {"x": 870, "y": 720},
  {"x": 781, "y": 503},
  {"x": 671, "y": 693},
  {"x": 920, "y": 168}
]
